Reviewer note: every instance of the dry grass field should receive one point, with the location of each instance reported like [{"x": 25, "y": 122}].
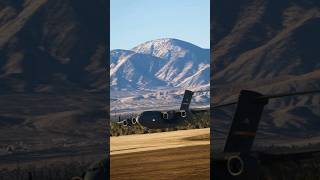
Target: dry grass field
[{"x": 181, "y": 154}]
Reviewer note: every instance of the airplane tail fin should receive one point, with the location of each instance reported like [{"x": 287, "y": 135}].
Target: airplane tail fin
[
  {"x": 245, "y": 122},
  {"x": 186, "y": 100}
]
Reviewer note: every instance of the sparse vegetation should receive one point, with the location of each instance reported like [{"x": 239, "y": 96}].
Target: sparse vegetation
[
  {"x": 56, "y": 171},
  {"x": 292, "y": 170},
  {"x": 299, "y": 169}
]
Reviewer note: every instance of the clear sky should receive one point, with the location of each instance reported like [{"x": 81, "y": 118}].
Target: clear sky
[{"x": 135, "y": 21}]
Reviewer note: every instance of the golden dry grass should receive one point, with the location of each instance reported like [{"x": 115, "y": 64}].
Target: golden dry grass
[
  {"x": 191, "y": 162},
  {"x": 167, "y": 155}
]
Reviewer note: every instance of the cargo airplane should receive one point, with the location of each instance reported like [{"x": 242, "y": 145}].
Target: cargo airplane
[{"x": 165, "y": 119}]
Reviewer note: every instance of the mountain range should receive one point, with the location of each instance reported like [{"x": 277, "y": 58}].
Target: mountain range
[
  {"x": 265, "y": 40},
  {"x": 270, "y": 47},
  {"x": 160, "y": 64},
  {"x": 264, "y": 45}
]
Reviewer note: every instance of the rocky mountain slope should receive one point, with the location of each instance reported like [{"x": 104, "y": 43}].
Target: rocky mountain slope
[
  {"x": 155, "y": 74},
  {"x": 52, "y": 57},
  {"x": 49, "y": 45},
  {"x": 266, "y": 39},
  {"x": 271, "y": 47},
  {"x": 160, "y": 64}
]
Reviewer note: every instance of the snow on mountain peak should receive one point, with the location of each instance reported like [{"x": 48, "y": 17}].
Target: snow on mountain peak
[
  {"x": 160, "y": 64},
  {"x": 166, "y": 48}
]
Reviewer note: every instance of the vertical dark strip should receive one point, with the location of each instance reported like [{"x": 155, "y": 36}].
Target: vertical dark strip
[
  {"x": 211, "y": 81},
  {"x": 108, "y": 86}
]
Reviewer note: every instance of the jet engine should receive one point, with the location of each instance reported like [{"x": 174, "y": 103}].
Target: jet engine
[
  {"x": 134, "y": 120},
  {"x": 243, "y": 166},
  {"x": 235, "y": 165},
  {"x": 183, "y": 114},
  {"x": 127, "y": 122}
]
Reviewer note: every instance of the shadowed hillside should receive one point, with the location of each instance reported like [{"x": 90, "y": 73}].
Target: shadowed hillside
[
  {"x": 265, "y": 33},
  {"x": 51, "y": 46},
  {"x": 271, "y": 47},
  {"x": 53, "y": 76}
]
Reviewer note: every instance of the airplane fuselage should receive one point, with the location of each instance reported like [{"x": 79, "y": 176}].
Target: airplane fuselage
[{"x": 161, "y": 119}]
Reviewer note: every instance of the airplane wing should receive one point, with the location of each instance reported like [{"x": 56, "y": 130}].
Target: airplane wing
[
  {"x": 269, "y": 157},
  {"x": 266, "y": 157}
]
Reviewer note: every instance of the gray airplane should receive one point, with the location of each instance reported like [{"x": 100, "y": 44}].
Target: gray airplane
[{"x": 165, "y": 119}]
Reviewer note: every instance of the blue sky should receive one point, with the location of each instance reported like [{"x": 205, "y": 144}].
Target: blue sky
[{"x": 135, "y": 21}]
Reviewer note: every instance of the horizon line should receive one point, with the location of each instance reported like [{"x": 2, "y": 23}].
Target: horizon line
[{"x": 158, "y": 39}]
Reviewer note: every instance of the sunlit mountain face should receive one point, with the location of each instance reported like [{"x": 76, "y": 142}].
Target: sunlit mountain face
[
  {"x": 159, "y": 70},
  {"x": 160, "y": 64}
]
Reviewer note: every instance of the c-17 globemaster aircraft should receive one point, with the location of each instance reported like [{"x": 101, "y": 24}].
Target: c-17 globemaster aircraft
[
  {"x": 238, "y": 161},
  {"x": 165, "y": 119}
]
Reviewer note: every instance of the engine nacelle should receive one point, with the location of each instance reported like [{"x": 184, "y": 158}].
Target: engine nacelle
[
  {"x": 134, "y": 120},
  {"x": 235, "y": 165},
  {"x": 183, "y": 113},
  {"x": 165, "y": 115},
  {"x": 242, "y": 166},
  {"x": 125, "y": 122}
]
